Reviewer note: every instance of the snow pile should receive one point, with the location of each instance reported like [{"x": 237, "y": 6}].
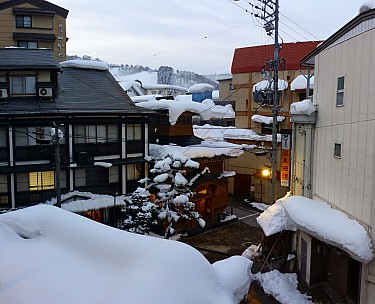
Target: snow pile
[
  {"x": 260, "y": 206},
  {"x": 54, "y": 256},
  {"x": 275, "y": 219},
  {"x": 266, "y": 119},
  {"x": 300, "y": 83},
  {"x": 85, "y": 64},
  {"x": 207, "y": 109},
  {"x": 229, "y": 270},
  {"x": 330, "y": 226},
  {"x": 366, "y": 6},
  {"x": 302, "y": 107},
  {"x": 208, "y": 132},
  {"x": 201, "y": 87},
  {"x": 252, "y": 252},
  {"x": 266, "y": 85},
  {"x": 283, "y": 287}
]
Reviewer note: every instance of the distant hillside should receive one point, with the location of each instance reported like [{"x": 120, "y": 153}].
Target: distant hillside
[{"x": 165, "y": 74}]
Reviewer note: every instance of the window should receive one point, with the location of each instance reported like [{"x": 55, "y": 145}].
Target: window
[
  {"x": 32, "y": 136},
  {"x": 95, "y": 134},
  {"x": 23, "y": 85},
  {"x": 232, "y": 87},
  {"x": 41, "y": 180},
  {"x": 340, "y": 91},
  {"x": 23, "y": 21},
  {"x": 337, "y": 151},
  {"x": 3, "y": 190},
  {"x": 134, "y": 132},
  {"x": 133, "y": 171},
  {"x": 28, "y": 44},
  {"x": 113, "y": 174}
]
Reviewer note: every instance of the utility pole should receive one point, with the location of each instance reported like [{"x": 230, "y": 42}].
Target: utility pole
[
  {"x": 57, "y": 166},
  {"x": 275, "y": 101},
  {"x": 270, "y": 16}
]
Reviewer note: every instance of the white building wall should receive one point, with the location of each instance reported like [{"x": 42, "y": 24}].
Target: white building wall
[{"x": 347, "y": 183}]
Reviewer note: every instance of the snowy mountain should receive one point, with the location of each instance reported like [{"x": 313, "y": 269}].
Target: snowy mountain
[{"x": 162, "y": 75}]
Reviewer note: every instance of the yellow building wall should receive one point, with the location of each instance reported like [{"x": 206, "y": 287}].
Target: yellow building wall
[{"x": 40, "y": 25}]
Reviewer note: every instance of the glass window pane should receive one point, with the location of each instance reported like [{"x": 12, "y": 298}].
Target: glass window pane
[
  {"x": 3, "y": 137},
  {"x": 102, "y": 134},
  {"x": 130, "y": 132},
  {"x": 21, "y": 137},
  {"x": 113, "y": 174},
  {"x": 16, "y": 85},
  {"x": 80, "y": 177},
  {"x": 91, "y": 134},
  {"x": 112, "y": 133},
  {"x": 22, "y": 182},
  {"x": 3, "y": 183},
  {"x": 137, "y": 132},
  {"x": 340, "y": 99},
  {"x": 32, "y": 45},
  {"x": 340, "y": 83},
  {"x": 27, "y": 21},
  {"x": 79, "y": 134},
  {"x": 30, "y": 85}
]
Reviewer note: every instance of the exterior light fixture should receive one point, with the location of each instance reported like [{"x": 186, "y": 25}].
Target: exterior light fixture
[{"x": 266, "y": 172}]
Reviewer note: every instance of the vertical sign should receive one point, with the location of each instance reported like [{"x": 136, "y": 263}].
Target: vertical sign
[{"x": 285, "y": 159}]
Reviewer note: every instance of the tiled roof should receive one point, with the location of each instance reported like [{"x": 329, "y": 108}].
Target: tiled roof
[
  {"x": 27, "y": 59},
  {"x": 252, "y": 59}
]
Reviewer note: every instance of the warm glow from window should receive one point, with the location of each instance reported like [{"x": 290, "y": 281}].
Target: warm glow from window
[{"x": 41, "y": 180}]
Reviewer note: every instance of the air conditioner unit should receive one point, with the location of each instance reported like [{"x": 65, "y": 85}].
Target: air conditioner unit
[
  {"x": 3, "y": 93},
  {"x": 45, "y": 92}
]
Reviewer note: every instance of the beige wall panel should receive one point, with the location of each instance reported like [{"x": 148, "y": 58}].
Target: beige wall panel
[
  {"x": 241, "y": 122},
  {"x": 42, "y": 22}
]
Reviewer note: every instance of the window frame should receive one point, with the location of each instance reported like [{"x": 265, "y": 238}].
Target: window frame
[
  {"x": 27, "y": 42},
  {"x": 340, "y": 91},
  {"x": 337, "y": 150},
  {"x": 23, "y": 85},
  {"x": 20, "y": 21}
]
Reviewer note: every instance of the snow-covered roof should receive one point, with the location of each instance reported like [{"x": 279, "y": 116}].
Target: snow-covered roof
[
  {"x": 183, "y": 103},
  {"x": 205, "y": 149},
  {"x": 163, "y": 86},
  {"x": 86, "y": 201},
  {"x": 85, "y": 64},
  {"x": 266, "y": 119},
  {"x": 55, "y": 256},
  {"x": 265, "y": 84},
  {"x": 224, "y": 75},
  {"x": 217, "y": 133},
  {"x": 201, "y": 87},
  {"x": 300, "y": 83},
  {"x": 322, "y": 222},
  {"x": 302, "y": 107},
  {"x": 144, "y": 98}
]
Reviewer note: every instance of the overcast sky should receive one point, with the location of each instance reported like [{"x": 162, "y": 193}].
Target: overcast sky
[{"x": 192, "y": 35}]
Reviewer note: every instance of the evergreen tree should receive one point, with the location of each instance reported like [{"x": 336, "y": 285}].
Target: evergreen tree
[
  {"x": 173, "y": 191},
  {"x": 139, "y": 212}
]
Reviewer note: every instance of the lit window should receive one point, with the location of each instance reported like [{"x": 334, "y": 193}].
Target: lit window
[
  {"x": 337, "y": 151},
  {"x": 340, "y": 91},
  {"x": 23, "y": 21},
  {"x": 41, "y": 180},
  {"x": 133, "y": 171},
  {"x": 3, "y": 189},
  {"x": 22, "y": 85}
]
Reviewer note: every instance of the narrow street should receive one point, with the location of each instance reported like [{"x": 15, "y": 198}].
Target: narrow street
[{"x": 232, "y": 239}]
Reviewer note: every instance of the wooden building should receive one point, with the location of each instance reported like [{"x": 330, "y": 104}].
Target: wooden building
[{"x": 104, "y": 138}]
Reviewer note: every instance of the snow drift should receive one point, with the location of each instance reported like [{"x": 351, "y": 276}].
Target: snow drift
[{"x": 54, "y": 256}]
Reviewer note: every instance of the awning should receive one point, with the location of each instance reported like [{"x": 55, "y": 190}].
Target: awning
[{"x": 321, "y": 221}]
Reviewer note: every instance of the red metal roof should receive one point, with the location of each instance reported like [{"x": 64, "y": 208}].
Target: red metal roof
[{"x": 252, "y": 59}]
